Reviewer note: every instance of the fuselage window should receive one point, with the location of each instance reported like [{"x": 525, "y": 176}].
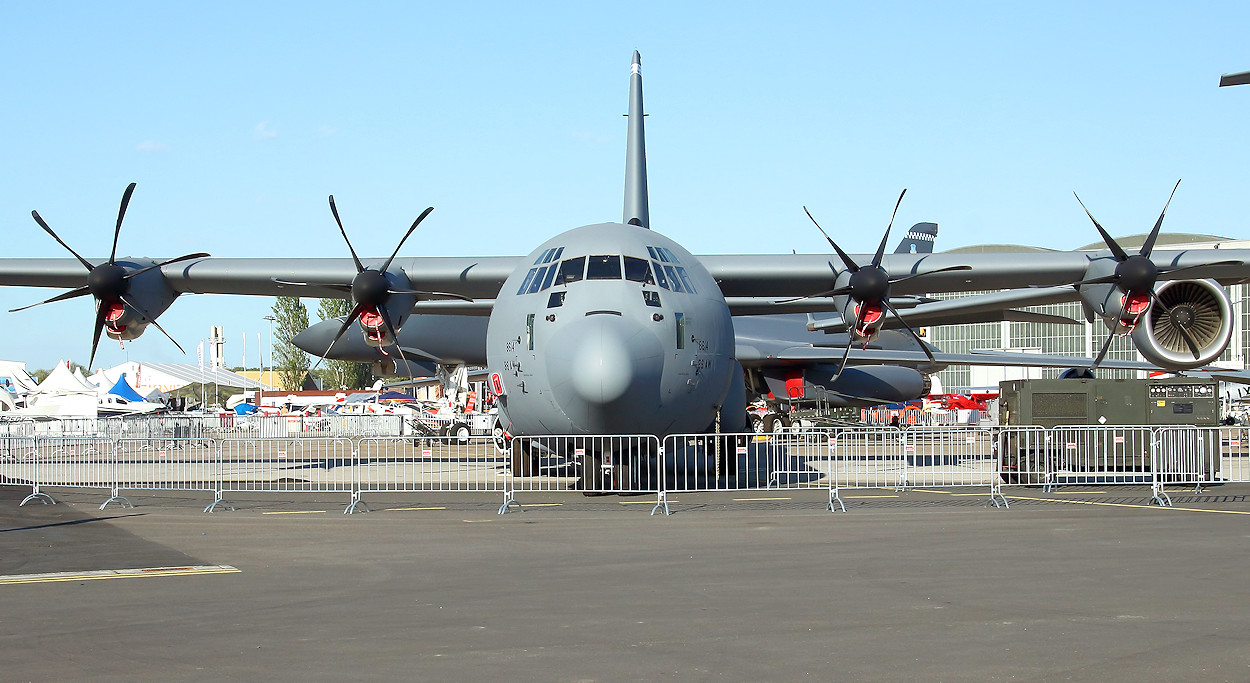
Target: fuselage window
[
  {"x": 529, "y": 331},
  {"x": 551, "y": 273},
  {"x": 650, "y": 296},
  {"x": 681, "y": 272},
  {"x": 603, "y": 267},
  {"x": 681, "y": 330},
  {"x": 673, "y": 280},
  {"x": 529, "y": 277},
  {"x": 556, "y": 299},
  {"x": 571, "y": 270},
  {"x": 659, "y": 275},
  {"x": 638, "y": 270},
  {"x": 537, "y": 281}
]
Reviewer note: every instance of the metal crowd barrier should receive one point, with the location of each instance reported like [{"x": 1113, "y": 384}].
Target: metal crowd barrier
[{"x": 179, "y": 457}]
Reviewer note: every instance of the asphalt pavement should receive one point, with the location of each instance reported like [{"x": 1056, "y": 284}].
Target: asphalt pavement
[{"x": 1081, "y": 584}]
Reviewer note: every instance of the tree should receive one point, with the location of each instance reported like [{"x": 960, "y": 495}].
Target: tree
[
  {"x": 342, "y": 373},
  {"x": 290, "y": 318}
]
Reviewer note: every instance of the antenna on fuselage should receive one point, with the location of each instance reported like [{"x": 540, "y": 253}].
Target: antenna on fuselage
[{"x": 636, "y": 211}]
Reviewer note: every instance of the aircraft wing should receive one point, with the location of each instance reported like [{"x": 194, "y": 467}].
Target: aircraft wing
[
  {"x": 800, "y": 275},
  {"x": 473, "y": 277}
]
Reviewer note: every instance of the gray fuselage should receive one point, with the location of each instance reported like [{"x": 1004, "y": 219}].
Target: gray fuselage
[{"x": 610, "y": 329}]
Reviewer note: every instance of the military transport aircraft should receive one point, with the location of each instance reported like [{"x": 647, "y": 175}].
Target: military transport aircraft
[{"x": 614, "y": 328}]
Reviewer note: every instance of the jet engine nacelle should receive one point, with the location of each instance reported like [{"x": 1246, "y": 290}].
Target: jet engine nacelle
[
  {"x": 151, "y": 295},
  {"x": 1202, "y": 308}
]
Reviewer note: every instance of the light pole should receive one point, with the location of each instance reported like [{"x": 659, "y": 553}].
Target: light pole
[{"x": 271, "y": 320}]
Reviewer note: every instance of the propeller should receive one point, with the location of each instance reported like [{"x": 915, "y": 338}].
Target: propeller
[
  {"x": 371, "y": 290},
  {"x": 1135, "y": 275},
  {"x": 108, "y": 283},
  {"x": 869, "y": 284}
]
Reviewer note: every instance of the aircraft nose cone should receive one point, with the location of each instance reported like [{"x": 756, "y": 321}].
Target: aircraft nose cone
[
  {"x": 605, "y": 375},
  {"x": 602, "y": 366}
]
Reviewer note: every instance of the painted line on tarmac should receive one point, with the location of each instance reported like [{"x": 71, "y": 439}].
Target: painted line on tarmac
[
  {"x": 295, "y": 512},
  {"x": 870, "y": 496},
  {"x": 930, "y": 491},
  {"x": 1129, "y": 505},
  {"x": 540, "y": 505},
  {"x": 119, "y": 574},
  {"x": 406, "y": 509},
  {"x": 742, "y": 500}
]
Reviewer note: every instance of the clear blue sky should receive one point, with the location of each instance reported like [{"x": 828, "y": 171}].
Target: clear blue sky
[{"x": 237, "y": 119}]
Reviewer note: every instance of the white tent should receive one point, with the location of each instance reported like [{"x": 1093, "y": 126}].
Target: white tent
[{"x": 62, "y": 393}]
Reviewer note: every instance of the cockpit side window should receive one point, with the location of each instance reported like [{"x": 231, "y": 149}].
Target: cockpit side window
[
  {"x": 659, "y": 275},
  {"x": 571, "y": 270},
  {"x": 673, "y": 280},
  {"x": 529, "y": 277},
  {"x": 638, "y": 270},
  {"x": 603, "y": 267},
  {"x": 537, "y": 282}
]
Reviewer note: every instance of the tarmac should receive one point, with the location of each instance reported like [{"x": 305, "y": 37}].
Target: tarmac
[{"x": 1084, "y": 583}]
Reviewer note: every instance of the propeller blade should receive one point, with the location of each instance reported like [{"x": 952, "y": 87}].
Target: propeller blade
[
  {"x": 846, "y": 353},
  {"x": 405, "y": 238},
  {"x": 386, "y": 320},
  {"x": 100, "y": 312},
  {"x": 1173, "y": 271},
  {"x": 1102, "y": 353},
  {"x": 850, "y": 265},
  {"x": 39, "y": 220},
  {"x": 1111, "y": 244},
  {"x": 876, "y": 259},
  {"x": 169, "y": 337},
  {"x": 334, "y": 210},
  {"x": 351, "y": 317},
  {"x": 121, "y": 213},
  {"x": 904, "y": 278},
  {"x": 831, "y": 292},
  {"x": 162, "y": 264},
  {"x": 430, "y": 295},
  {"x": 71, "y": 294},
  {"x": 923, "y": 346},
  {"x": 1150, "y": 239}
]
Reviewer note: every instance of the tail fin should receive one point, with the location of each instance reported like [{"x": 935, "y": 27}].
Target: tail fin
[
  {"x": 918, "y": 240},
  {"x": 636, "y": 204}
]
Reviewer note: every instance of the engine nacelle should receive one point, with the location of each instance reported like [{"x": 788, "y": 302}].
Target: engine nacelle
[
  {"x": 151, "y": 295},
  {"x": 1199, "y": 306}
]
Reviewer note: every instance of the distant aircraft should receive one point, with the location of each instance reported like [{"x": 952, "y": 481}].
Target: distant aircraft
[{"x": 614, "y": 328}]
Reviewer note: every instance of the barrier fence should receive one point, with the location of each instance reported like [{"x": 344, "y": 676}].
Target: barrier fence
[{"x": 825, "y": 459}]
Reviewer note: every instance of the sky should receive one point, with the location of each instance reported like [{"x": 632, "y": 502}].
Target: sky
[{"x": 238, "y": 119}]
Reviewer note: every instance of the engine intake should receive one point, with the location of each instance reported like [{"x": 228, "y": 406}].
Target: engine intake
[{"x": 1198, "y": 306}]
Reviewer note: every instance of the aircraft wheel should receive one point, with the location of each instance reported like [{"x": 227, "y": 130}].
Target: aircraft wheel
[
  {"x": 775, "y": 424},
  {"x": 460, "y": 431},
  {"x": 755, "y": 423},
  {"x": 499, "y": 439}
]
